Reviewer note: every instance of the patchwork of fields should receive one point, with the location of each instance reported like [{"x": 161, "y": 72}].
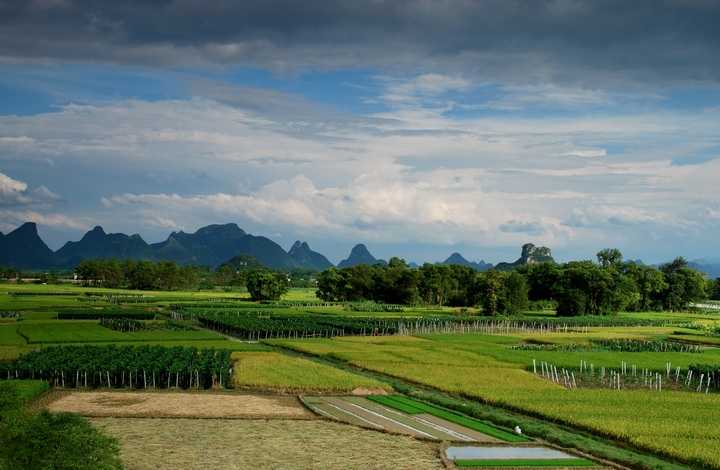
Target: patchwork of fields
[{"x": 479, "y": 368}]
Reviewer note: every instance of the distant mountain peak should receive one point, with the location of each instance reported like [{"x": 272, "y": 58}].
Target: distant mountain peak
[
  {"x": 24, "y": 249},
  {"x": 27, "y": 229},
  {"x": 305, "y": 257},
  {"x": 530, "y": 254},
  {"x": 457, "y": 258},
  {"x": 360, "y": 254}
]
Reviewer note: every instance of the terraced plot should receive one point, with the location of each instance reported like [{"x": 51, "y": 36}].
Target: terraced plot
[{"x": 364, "y": 412}]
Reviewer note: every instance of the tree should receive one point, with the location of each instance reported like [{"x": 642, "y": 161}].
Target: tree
[
  {"x": 489, "y": 291},
  {"x": 585, "y": 288},
  {"x": 167, "y": 276},
  {"x": 649, "y": 282},
  {"x": 516, "y": 291},
  {"x": 609, "y": 257},
  {"x": 436, "y": 283},
  {"x": 90, "y": 271},
  {"x": 59, "y": 441},
  {"x": 541, "y": 279},
  {"x": 684, "y": 285},
  {"x": 112, "y": 273},
  {"x": 266, "y": 285},
  {"x": 714, "y": 289},
  {"x": 142, "y": 276},
  {"x": 331, "y": 284}
]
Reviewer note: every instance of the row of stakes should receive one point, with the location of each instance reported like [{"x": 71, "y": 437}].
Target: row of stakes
[{"x": 653, "y": 380}]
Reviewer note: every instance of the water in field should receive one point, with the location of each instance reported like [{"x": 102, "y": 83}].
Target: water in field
[{"x": 504, "y": 453}]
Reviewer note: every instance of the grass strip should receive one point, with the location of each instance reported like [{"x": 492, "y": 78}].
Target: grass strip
[
  {"x": 458, "y": 419},
  {"x": 411, "y": 410},
  {"x": 565, "y": 463}
]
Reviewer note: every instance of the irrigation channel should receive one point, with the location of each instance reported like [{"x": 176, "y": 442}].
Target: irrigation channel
[{"x": 473, "y": 444}]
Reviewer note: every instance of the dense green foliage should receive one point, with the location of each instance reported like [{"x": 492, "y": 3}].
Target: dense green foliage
[
  {"x": 167, "y": 275},
  {"x": 266, "y": 285},
  {"x": 575, "y": 288},
  {"x": 7, "y": 274},
  {"x": 396, "y": 283},
  {"x": 45, "y": 440},
  {"x": 113, "y": 366},
  {"x": 254, "y": 326}
]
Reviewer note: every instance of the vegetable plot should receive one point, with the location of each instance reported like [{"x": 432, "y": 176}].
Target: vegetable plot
[
  {"x": 124, "y": 366},
  {"x": 255, "y": 327}
]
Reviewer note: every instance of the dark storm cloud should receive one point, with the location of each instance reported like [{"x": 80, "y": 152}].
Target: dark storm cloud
[{"x": 565, "y": 41}]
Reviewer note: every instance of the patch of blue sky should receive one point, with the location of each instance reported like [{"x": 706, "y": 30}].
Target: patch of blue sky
[
  {"x": 692, "y": 98},
  {"x": 19, "y": 101},
  {"x": 685, "y": 161},
  {"x": 350, "y": 90},
  {"x": 65, "y": 83},
  {"x": 616, "y": 149},
  {"x": 714, "y": 150}
]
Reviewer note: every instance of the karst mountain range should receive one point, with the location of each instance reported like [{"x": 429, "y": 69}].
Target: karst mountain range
[{"x": 209, "y": 246}]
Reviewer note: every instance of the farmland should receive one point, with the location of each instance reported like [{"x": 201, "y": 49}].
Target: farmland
[
  {"x": 473, "y": 361},
  {"x": 484, "y": 368}
]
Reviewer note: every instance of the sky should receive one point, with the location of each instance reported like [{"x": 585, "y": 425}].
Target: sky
[{"x": 418, "y": 128}]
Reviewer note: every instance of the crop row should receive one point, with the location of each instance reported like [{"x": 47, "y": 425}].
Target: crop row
[
  {"x": 123, "y": 366},
  {"x": 224, "y": 305},
  {"x": 123, "y": 324},
  {"x": 254, "y": 327},
  {"x": 93, "y": 314},
  {"x": 618, "y": 345},
  {"x": 40, "y": 294}
]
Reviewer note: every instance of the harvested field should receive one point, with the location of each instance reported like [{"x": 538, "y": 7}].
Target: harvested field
[
  {"x": 256, "y": 444},
  {"x": 176, "y": 405}
]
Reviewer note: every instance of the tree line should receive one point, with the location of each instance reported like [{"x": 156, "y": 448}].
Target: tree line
[
  {"x": 605, "y": 287},
  {"x": 601, "y": 287}
]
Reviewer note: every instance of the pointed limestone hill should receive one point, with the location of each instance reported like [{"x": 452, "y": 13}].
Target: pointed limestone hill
[
  {"x": 267, "y": 251},
  {"x": 531, "y": 254},
  {"x": 457, "y": 258},
  {"x": 24, "y": 249},
  {"x": 196, "y": 255},
  {"x": 210, "y": 245},
  {"x": 91, "y": 246},
  {"x": 215, "y": 244},
  {"x": 307, "y": 258},
  {"x": 133, "y": 247},
  {"x": 242, "y": 262},
  {"x": 360, "y": 254}
]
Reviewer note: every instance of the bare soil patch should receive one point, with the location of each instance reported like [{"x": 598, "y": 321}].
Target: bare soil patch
[
  {"x": 176, "y": 405},
  {"x": 264, "y": 444},
  {"x": 362, "y": 391}
]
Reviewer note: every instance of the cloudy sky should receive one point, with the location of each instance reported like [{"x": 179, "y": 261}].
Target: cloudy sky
[{"x": 419, "y": 128}]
